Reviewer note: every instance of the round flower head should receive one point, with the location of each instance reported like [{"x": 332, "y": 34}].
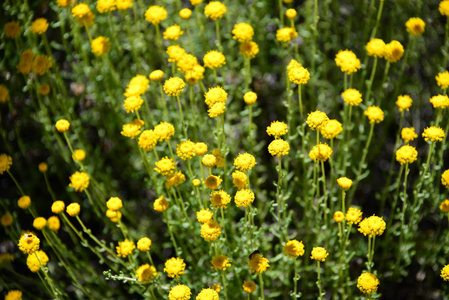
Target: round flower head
[
  {"x": 123, "y": 4},
  {"x": 200, "y": 148},
  {"x": 175, "y": 52},
  {"x": 100, "y": 45},
  {"x": 7, "y": 220},
  {"x": 146, "y": 273},
  {"x": 174, "y": 267},
  {"x": 156, "y": 75},
  {"x": 5, "y": 163},
  {"x": 339, "y": 216},
  {"x": 14, "y": 295},
  {"x": 44, "y": 89},
  {"x": 372, "y": 226},
  {"x": 195, "y": 74},
  {"x": 113, "y": 215},
  {"x": 286, "y": 34},
  {"x": 144, "y": 244},
  {"x": 367, "y": 283},
  {"x": 79, "y": 181},
  {"x": 12, "y": 29},
  {"x": 204, "y": 215},
  {"x": 291, "y": 13},
  {"x": 173, "y": 32},
  {"x": 443, "y": 80},
  {"x": 208, "y": 294},
  {"x": 105, "y": 6},
  {"x": 331, "y": 129},
  {"x": 133, "y": 103},
  {"x": 164, "y": 131},
  {"x": 175, "y": 179},
  {"x": 316, "y": 119},
  {"x": 320, "y": 152},
  {"x": 196, "y": 182},
  {"x": 249, "y": 49},
  {"x": 125, "y": 248},
  {"x": 39, "y": 223},
  {"x": 186, "y": 150},
  {"x": 160, "y": 204},
  {"x": 62, "y": 125},
  {"x": 187, "y": 63},
  {"x": 445, "y": 179},
  {"x": 179, "y": 292},
  {"x": 174, "y": 86},
  {"x": 209, "y": 160},
  {"x": 54, "y": 223},
  {"x": 137, "y": 86},
  {"x": 148, "y": 140},
  {"x": 294, "y": 248},
  {"x": 57, "y": 207},
  {"x": 24, "y": 202},
  {"x": 219, "y": 157},
  {"x": 299, "y": 75},
  {"x": 239, "y": 179},
  {"x": 243, "y": 32},
  {"x": 344, "y": 183},
  {"x": 278, "y": 147},
  {"x": 155, "y": 14},
  {"x": 216, "y": 110},
  {"x": 215, "y": 95},
  {"x": 406, "y": 154},
  {"x": 376, "y": 48},
  {"x": 347, "y": 61},
  {"x": 196, "y": 2},
  {"x": 220, "y": 199},
  {"x": 404, "y": 102},
  {"x": 37, "y": 260},
  {"x": 26, "y": 59},
  {"x": 214, "y": 59},
  {"x": 249, "y": 286},
  {"x": 215, "y": 10},
  {"x": 4, "y": 94},
  {"x": 408, "y": 134},
  {"x": 41, "y": 64},
  {"x": 353, "y": 215},
  {"x": 185, "y": 13},
  {"x": 277, "y": 129},
  {"x": 213, "y": 182},
  {"x": 440, "y": 101},
  {"x": 444, "y": 206},
  {"x": 73, "y": 209},
  {"x": 39, "y": 26},
  {"x": 250, "y": 98},
  {"x": 244, "y": 161},
  {"x": 445, "y": 273},
  {"x": 433, "y": 134},
  {"x": 319, "y": 254},
  {"x": 28, "y": 243},
  {"x": 244, "y": 198},
  {"x": 83, "y": 14},
  {"x": 374, "y": 114},
  {"x": 114, "y": 203},
  {"x": 165, "y": 166},
  {"x": 415, "y": 26},
  {"x": 220, "y": 262},
  {"x": 79, "y": 155},
  {"x": 258, "y": 264},
  {"x": 394, "y": 51},
  {"x": 210, "y": 231},
  {"x": 444, "y": 8}
]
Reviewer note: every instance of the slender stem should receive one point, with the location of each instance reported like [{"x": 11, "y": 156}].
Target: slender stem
[
  {"x": 217, "y": 32},
  {"x": 370, "y": 81},
  {"x": 281, "y": 14},
  {"x": 278, "y": 199},
  {"x": 295, "y": 278},
  {"x": 446, "y": 44},
  {"x": 379, "y": 14},
  {"x": 319, "y": 281},
  {"x": 17, "y": 184},
  {"x": 262, "y": 290},
  {"x": 182, "y": 117},
  {"x": 171, "y": 233},
  {"x": 323, "y": 178},
  {"x": 47, "y": 278},
  {"x": 315, "y": 33},
  {"x": 114, "y": 34},
  {"x": 225, "y": 289}
]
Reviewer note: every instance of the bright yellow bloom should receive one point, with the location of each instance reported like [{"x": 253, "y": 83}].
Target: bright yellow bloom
[
  {"x": 125, "y": 248},
  {"x": 5, "y": 163},
  {"x": 44, "y": 89},
  {"x": 316, "y": 119},
  {"x": 157, "y": 75},
  {"x": 144, "y": 244},
  {"x": 208, "y": 294},
  {"x": 319, "y": 254},
  {"x": 286, "y": 34},
  {"x": 367, "y": 283},
  {"x": 105, "y": 6},
  {"x": 443, "y": 80},
  {"x": 155, "y": 14},
  {"x": 244, "y": 161},
  {"x": 279, "y": 148},
  {"x": 209, "y": 160},
  {"x": 54, "y": 223},
  {"x": 376, "y": 48},
  {"x": 133, "y": 103},
  {"x": 250, "y": 97},
  {"x": 14, "y": 295},
  {"x": 243, "y": 32},
  {"x": 339, "y": 216},
  {"x": 445, "y": 273},
  {"x": 175, "y": 52},
  {"x": 113, "y": 215},
  {"x": 444, "y": 206},
  {"x": 186, "y": 150},
  {"x": 353, "y": 215},
  {"x": 294, "y": 248},
  {"x": 24, "y": 202},
  {"x": 408, "y": 134},
  {"x": 34, "y": 263},
  {"x": 137, "y": 86},
  {"x": 220, "y": 199},
  {"x": 73, "y": 209},
  {"x": 372, "y": 226},
  {"x": 39, "y": 223},
  {"x": 79, "y": 155},
  {"x": 299, "y": 75},
  {"x": 249, "y": 49},
  {"x": 215, "y": 10},
  {"x": 214, "y": 59},
  {"x": 186, "y": 63},
  {"x": 244, "y": 198},
  {"x": 440, "y": 101},
  {"x": 443, "y": 7},
  {"x": 200, "y": 148},
  {"x": 185, "y": 13},
  {"x": 374, "y": 114},
  {"x": 258, "y": 264},
  {"x": 28, "y": 243},
  {"x": 123, "y": 4},
  {"x": 394, "y": 51},
  {"x": 132, "y": 129},
  {"x": 239, "y": 179},
  {"x": 277, "y": 129},
  {"x": 204, "y": 215},
  {"x": 100, "y": 45},
  {"x": 164, "y": 131},
  {"x": 249, "y": 286},
  {"x": 114, "y": 203},
  {"x": 146, "y": 273},
  {"x": 175, "y": 179},
  {"x": 352, "y": 97},
  {"x": 331, "y": 129},
  {"x": 347, "y": 61},
  {"x": 165, "y": 166},
  {"x": 220, "y": 262},
  {"x": 179, "y": 292},
  {"x": 173, "y": 32},
  {"x": 57, "y": 207},
  {"x": 404, "y": 102},
  {"x": 174, "y": 267},
  {"x": 79, "y": 181},
  {"x": 445, "y": 179},
  {"x": 320, "y": 153},
  {"x": 291, "y": 13},
  {"x": 43, "y": 167},
  {"x": 216, "y": 110},
  {"x": 213, "y": 182},
  {"x": 415, "y": 26},
  {"x": 83, "y": 14},
  {"x": 406, "y": 154},
  {"x": 62, "y": 125},
  {"x": 433, "y": 134},
  {"x": 215, "y": 95},
  {"x": 174, "y": 86},
  {"x": 344, "y": 183},
  {"x": 39, "y": 26},
  {"x": 195, "y": 74},
  {"x": 210, "y": 231},
  {"x": 160, "y": 204},
  {"x": 148, "y": 140}
]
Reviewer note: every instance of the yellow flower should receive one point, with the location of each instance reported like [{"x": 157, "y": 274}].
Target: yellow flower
[
  {"x": 406, "y": 154},
  {"x": 79, "y": 155},
  {"x": 6, "y": 220},
  {"x": 175, "y": 180},
  {"x": 144, "y": 244},
  {"x": 204, "y": 215},
  {"x": 5, "y": 163},
  {"x": 331, "y": 129},
  {"x": 443, "y": 80},
  {"x": 14, "y": 295},
  {"x": 239, "y": 179},
  {"x": 209, "y": 160},
  {"x": 244, "y": 161},
  {"x": 113, "y": 215},
  {"x": 41, "y": 64},
  {"x": 316, "y": 119},
  {"x": 213, "y": 182},
  {"x": 196, "y": 182},
  {"x": 185, "y": 13},
  {"x": 79, "y": 181},
  {"x": 208, "y": 294},
  {"x": 319, "y": 254},
  {"x": 12, "y": 29},
  {"x": 445, "y": 273},
  {"x": 186, "y": 63},
  {"x": 408, "y": 134},
  {"x": 25, "y": 63},
  {"x": 219, "y": 157},
  {"x": 278, "y": 147},
  {"x": 173, "y": 32},
  {"x": 132, "y": 129},
  {"x": 174, "y": 86},
  {"x": 372, "y": 226},
  {"x": 433, "y": 134},
  {"x": 100, "y": 45},
  {"x": 44, "y": 89},
  {"x": 62, "y": 125},
  {"x": 195, "y": 74},
  {"x": 4, "y": 94},
  {"x": 216, "y": 110},
  {"x": 137, "y": 86},
  {"x": 123, "y": 4},
  {"x": 210, "y": 231},
  {"x": 179, "y": 292},
  {"x": 249, "y": 286},
  {"x": 339, "y": 216},
  {"x": 157, "y": 75},
  {"x": 200, "y": 148},
  {"x": 160, "y": 204},
  {"x": 165, "y": 166},
  {"x": 39, "y": 223},
  {"x": 415, "y": 26},
  {"x": 353, "y": 215},
  {"x": 57, "y": 207},
  {"x": 404, "y": 102},
  {"x": 39, "y": 26},
  {"x": 214, "y": 59},
  {"x": 444, "y": 206},
  {"x": 114, "y": 203},
  {"x": 34, "y": 263},
  {"x": 83, "y": 14},
  {"x": 244, "y": 198},
  {"x": 146, "y": 273},
  {"x": 105, "y": 6},
  {"x": 440, "y": 101},
  {"x": 286, "y": 34},
  {"x": 249, "y": 49},
  {"x": 374, "y": 114},
  {"x": 155, "y": 14},
  {"x": 291, "y": 13},
  {"x": 394, "y": 51},
  {"x": 175, "y": 52},
  {"x": 294, "y": 248},
  {"x": 215, "y": 95},
  {"x": 344, "y": 183},
  {"x": 63, "y": 3},
  {"x": 445, "y": 179},
  {"x": 24, "y": 202},
  {"x": 220, "y": 199},
  {"x": 125, "y": 248},
  {"x": 250, "y": 97},
  {"x": 443, "y": 7},
  {"x": 347, "y": 61},
  {"x": 277, "y": 129},
  {"x": 367, "y": 283},
  {"x": 220, "y": 262},
  {"x": 164, "y": 131},
  {"x": 54, "y": 223},
  {"x": 133, "y": 103},
  {"x": 174, "y": 267},
  {"x": 73, "y": 209},
  {"x": 376, "y": 48},
  {"x": 258, "y": 264},
  {"x": 28, "y": 243},
  {"x": 352, "y": 97},
  {"x": 215, "y": 10},
  {"x": 186, "y": 150},
  {"x": 299, "y": 75},
  {"x": 243, "y": 32},
  {"x": 320, "y": 153}
]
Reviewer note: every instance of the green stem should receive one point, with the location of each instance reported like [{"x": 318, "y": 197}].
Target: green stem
[
  {"x": 370, "y": 81},
  {"x": 182, "y": 116},
  {"x": 17, "y": 184},
  {"x": 379, "y": 14},
  {"x": 319, "y": 281}
]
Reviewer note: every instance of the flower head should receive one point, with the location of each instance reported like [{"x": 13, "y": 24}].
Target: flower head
[
  {"x": 39, "y": 26},
  {"x": 155, "y": 14},
  {"x": 160, "y": 204},
  {"x": 444, "y": 7},
  {"x": 214, "y": 59},
  {"x": 144, "y": 244},
  {"x": 215, "y": 95},
  {"x": 279, "y": 148},
  {"x": 175, "y": 52},
  {"x": 105, "y": 6},
  {"x": 62, "y": 125},
  {"x": 4, "y": 94},
  {"x": 250, "y": 98},
  {"x": 165, "y": 166},
  {"x": 249, "y": 49},
  {"x": 208, "y": 294},
  {"x": 406, "y": 154},
  {"x": 217, "y": 110},
  {"x": 146, "y": 273},
  {"x": 367, "y": 283},
  {"x": 415, "y": 26},
  {"x": 114, "y": 203},
  {"x": 175, "y": 179},
  {"x": 24, "y": 202},
  {"x": 286, "y": 34},
  {"x": 347, "y": 61},
  {"x": 352, "y": 97},
  {"x": 249, "y": 286},
  {"x": 36, "y": 260},
  {"x": 156, "y": 75},
  {"x": 6, "y": 221},
  {"x": 440, "y": 101},
  {"x": 179, "y": 292},
  {"x": 14, "y": 295},
  {"x": 291, "y": 13},
  {"x": 132, "y": 129},
  {"x": 123, "y": 4},
  {"x": 215, "y": 10},
  {"x": 445, "y": 179},
  {"x": 243, "y": 32},
  {"x": 204, "y": 215},
  {"x": 408, "y": 134},
  {"x": 57, "y": 207},
  {"x": 209, "y": 160},
  {"x": 220, "y": 262},
  {"x": 277, "y": 129},
  {"x": 239, "y": 179},
  {"x": 319, "y": 254},
  {"x": 79, "y": 155},
  {"x": 186, "y": 150},
  {"x": 331, "y": 129},
  {"x": 316, "y": 119},
  {"x": 443, "y": 80},
  {"x": 372, "y": 226},
  {"x": 125, "y": 248},
  {"x": 28, "y": 243},
  {"x": 210, "y": 231},
  {"x": 445, "y": 273},
  {"x": 83, "y": 14},
  {"x": 404, "y": 102},
  {"x": 433, "y": 134},
  {"x": 54, "y": 223},
  {"x": 344, "y": 183},
  {"x": 164, "y": 131},
  {"x": 376, "y": 48},
  {"x": 320, "y": 152},
  {"x": 79, "y": 181},
  {"x": 339, "y": 216},
  {"x": 39, "y": 223},
  {"x": 173, "y": 32},
  {"x": 174, "y": 267},
  {"x": 294, "y": 248},
  {"x": 374, "y": 114},
  {"x": 244, "y": 198},
  {"x": 444, "y": 206},
  {"x": 148, "y": 140},
  {"x": 41, "y": 64},
  {"x": 244, "y": 161},
  {"x": 44, "y": 89},
  {"x": 353, "y": 215},
  {"x": 185, "y": 13},
  {"x": 394, "y": 51},
  {"x": 73, "y": 209},
  {"x": 174, "y": 86},
  {"x": 100, "y": 45},
  {"x": 258, "y": 264},
  {"x": 220, "y": 199},
  {"x": 5, "y": 163},
  {"x": 12, "y": 29},
  {"x": 299, "y": 75}
]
